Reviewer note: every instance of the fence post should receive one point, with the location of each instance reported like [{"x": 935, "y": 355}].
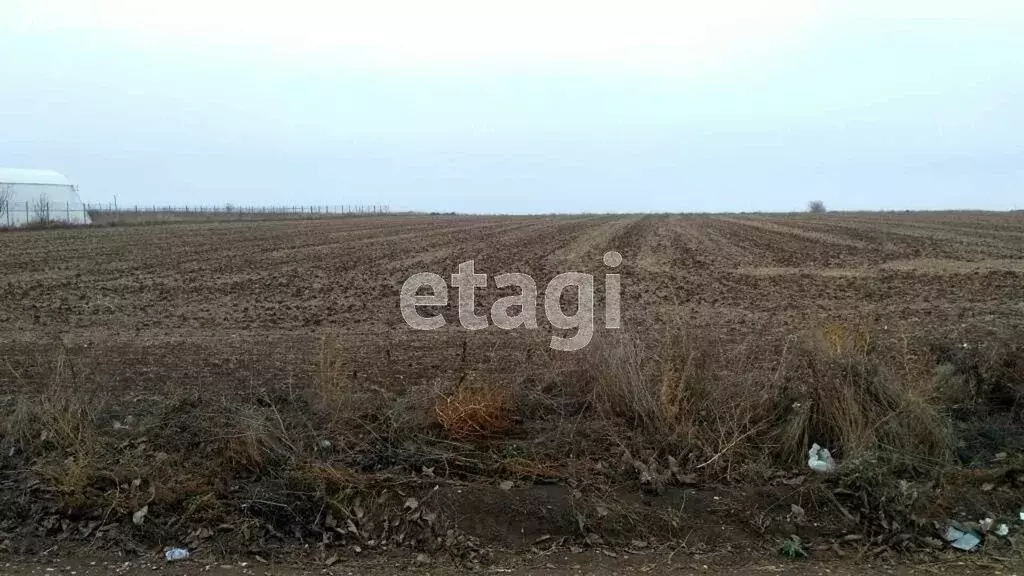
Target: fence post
[{"x": 67, "y": 211}]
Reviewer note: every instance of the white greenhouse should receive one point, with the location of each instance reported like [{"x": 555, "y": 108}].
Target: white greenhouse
[{"x": 28, "y": 196}]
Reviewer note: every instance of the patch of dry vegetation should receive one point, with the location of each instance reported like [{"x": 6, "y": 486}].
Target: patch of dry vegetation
[
  {"x": 684, "y": 408},
  {"x": 728, "y": 406},
  {"x": 475, "y": 410}
]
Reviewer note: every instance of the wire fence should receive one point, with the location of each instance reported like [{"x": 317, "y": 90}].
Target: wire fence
[
  {"x": 301, "y": 209},
  {"x": 43, "y": 211}
]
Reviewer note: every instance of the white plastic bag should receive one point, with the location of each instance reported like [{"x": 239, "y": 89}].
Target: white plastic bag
[
  {"x": 820, "y": 460},
  {"x": 175, "y": 554}
]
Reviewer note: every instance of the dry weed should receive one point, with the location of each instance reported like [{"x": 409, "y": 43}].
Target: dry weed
[
  {"x": 621, "y": 373},
  {"x": 331, "y": 384},
  {"x": 475, "y": 410},
  {"x": 256, "y": 440},
  {"x": 684, "y": 393},
  {"x": 728, "y": 405},
  {"x": 860, "y": 398},
  {"x": 59, "y": 418}
]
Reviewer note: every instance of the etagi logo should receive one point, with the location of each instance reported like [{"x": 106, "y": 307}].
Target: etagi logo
[{"x": 467, "y": 281}]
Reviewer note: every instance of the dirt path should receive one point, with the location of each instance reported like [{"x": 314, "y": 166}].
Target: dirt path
[{"x": 557, "y": 564}]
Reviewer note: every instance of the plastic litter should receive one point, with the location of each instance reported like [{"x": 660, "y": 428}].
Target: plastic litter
[
  {"x": 820, "y": 460},
  {"x": 1002, "y": 530},
  {"x": 140, "y": 516},
  {"x": 175, "y": 554},
  {"x": 1022, "y": 515},
  {"x": 986, "y": 524},
  {"x": 962, "y": 540}
]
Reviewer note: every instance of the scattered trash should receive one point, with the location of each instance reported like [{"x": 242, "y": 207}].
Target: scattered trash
[
  {"x": 988, "y": 487},
  {"x": 1022, "y": 515},
  {"x": 140, "y": 515},
  {"x": 820, "y": 460},
  {"x": 1002, "y": 530},
  {"x": 796, "y": 514},
  {"x": 506, "y": 485},
  {"x": 793, "y": 548},
  {"x": 175, "y": 554},
  {"x": 986, "y": 524},
  {"x": 325, "y": 444},
  {"x": 962, "y": 540}
]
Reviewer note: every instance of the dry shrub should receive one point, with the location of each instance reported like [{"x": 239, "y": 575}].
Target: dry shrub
[
  {"x": 689, "y": 392},
  {"x": 983, "y": 381},
  {"x": 725, "y": 405},
  {"x": 58, "y": 430},
  {"x": 71, "y": 479},
  {"x": 861, "y": 398},
  {"x": 362, "y": 418},
  {"x": 475, "y": 410},
  {"x": 256, "y": 439},
  {"x": 331, "y": 384},
  {"x": 330, "y": 477},
  {"x": 621, "y": 373},
  {"x": 713, "y": 396},
  {"x": 61, "y": 417}
]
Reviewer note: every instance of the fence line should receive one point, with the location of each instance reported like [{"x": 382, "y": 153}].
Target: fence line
[
  {"x": 310, "y": 209},
  {"x": 21, "y": 213}
]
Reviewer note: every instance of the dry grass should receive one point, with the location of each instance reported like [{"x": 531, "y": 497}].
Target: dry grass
[
  {"x": 620, "y": 371},
  {"x": 331, "y": 384},
  {"x": 729, "y": 405},
  {"x": 57, "y": 418},
  {"x": 256, "y": 440},
  {"x": 686, "y": 393},
  {"x": 862, "y": 398},
  {"x": 475, "y": 410},
  {"x": 712, "y": 409}
]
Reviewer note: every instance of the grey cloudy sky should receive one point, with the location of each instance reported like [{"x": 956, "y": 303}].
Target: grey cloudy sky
[{"x": 535, "y": 106}]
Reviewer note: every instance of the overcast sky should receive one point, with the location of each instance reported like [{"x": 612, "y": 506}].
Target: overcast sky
[{"x": 533, "y": 106}]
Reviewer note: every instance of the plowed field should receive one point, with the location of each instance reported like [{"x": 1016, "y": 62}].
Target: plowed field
[{"x": 235, "y": 304}]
